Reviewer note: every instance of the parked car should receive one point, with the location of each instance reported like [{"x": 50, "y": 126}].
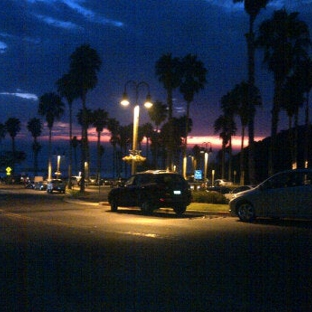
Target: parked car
[
  {"x": 220, "y": 189},
  {"x": 75, "y": 180},
  {"x": 29, "y": 184},
  {"x": 56, "y": 185},
  {"x": 287, "y": 194},
  {"x": 40, "y": 185},
  {"x": 238, "y": 189},
  {"x": 222, "y": 182},
  {"x": 151, "y": 190},
  {"x": 118, "y": 182}
]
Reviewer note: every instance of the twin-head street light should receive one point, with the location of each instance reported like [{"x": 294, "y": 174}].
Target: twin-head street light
[{"x": 135, "y": 153}]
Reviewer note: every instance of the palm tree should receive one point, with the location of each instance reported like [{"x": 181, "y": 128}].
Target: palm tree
[
  {"x": 253, "y": 8},
  {"x": 52, "y": 107},
  {"x": 240, "y": 105},
  {"x": 158, "y": 114},
  {"x": 13, "y": 127},
  {"x": 147, "y": 131},
  {"x": 225, "y": 125},
  {"x": 284, "y": 40},
  {"x": 35, "y": 126},
  {"x": 192, "y": 81},
  {"x": 113, "y": 126},
  {"x": 68, "y": 89},
  {"x": 100, "y": 119},
  {"x": 124, "y": 140},
  {"x": 84, "y": 66},
  {"x": 167, "y": 70},
  {"x": 177, "y": 132},
  {"x": 196, "y": 150},
  {"x": 85, "y": 119},
  {"x": 75, "y": 142},
  {"x": 292, "y": 100},
  {"x": 3, "y": 131},
  {"x": 305, "y": 72}
]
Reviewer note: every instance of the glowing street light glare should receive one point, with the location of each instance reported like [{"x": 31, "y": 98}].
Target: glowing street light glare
[
  {"x": 124, "y": 101},
  {"x": 148, "y": 103}
]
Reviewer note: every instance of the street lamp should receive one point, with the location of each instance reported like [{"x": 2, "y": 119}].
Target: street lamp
[
  {"x": 135, "y": 153},
  {"x": 207, "y": 152},
  {"x": 58, "y": 155}
]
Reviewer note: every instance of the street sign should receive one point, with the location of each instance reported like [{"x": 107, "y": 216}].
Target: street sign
[{"x": 198, "y": 174}]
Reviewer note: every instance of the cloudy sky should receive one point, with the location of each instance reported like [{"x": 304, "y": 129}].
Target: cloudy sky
[{"x": 38, "y": 36}]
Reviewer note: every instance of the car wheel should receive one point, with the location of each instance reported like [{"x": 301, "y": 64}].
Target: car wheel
[
  {"x": 246, "y": 212},
  {"x": 179, "y": 210},
  {"x": 114, "y": 205},
  {"x": 147, "y": 207}
]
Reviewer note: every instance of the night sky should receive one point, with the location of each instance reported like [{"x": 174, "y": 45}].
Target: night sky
[{"x": 38, "y": 36}]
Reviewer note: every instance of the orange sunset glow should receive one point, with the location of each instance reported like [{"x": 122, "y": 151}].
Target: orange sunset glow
[{"x": 215, "y": 141}]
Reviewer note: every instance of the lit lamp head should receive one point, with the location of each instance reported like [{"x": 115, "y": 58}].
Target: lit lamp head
[
  {"x": 148, "y": 103},
  {"x": 125, "y": 100}
]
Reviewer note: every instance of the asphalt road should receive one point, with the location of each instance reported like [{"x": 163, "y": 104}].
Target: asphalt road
[{"x": 64, "y": 256}]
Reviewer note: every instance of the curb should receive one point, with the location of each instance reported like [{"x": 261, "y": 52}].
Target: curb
[{"x": 105, "y": 203}]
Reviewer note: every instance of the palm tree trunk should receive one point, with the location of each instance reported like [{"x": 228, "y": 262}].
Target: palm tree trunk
[
  {"x": 170, "y": 120},
  {"x": 295, "y": 160},
  {"x": 70, "y": 170},
  {"x": 98, "y": 148},
  {"x": 274, "y": 126},
  {"x": 36, "y": 151},
  {"x": 251, "y": 102},
  {"x": 84, "y": 136},
  {"x": 230, "y": 159},
  {"x": 13, "y": 154},
  {"x": 50, "y": 155},
  {"x": 185, "y": 142},
  {"x": 242, "y": 156},
  {"x": 307, "y": 133},
  {"x": 223, "y": 160}
]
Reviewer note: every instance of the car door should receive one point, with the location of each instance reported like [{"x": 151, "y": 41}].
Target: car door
[
  {"x": 304, "y": 195},
  {"x": 128, "y": 193},
  {"x": 278, "y": 196}
]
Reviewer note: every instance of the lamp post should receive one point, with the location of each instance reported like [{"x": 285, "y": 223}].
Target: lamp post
[
  {"x": 58, "y": 154},
  {"x": 206, "y": 158},
  {"x": 135, "y": 153}
]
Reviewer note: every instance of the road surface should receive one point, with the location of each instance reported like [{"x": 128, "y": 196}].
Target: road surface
[{"x": 65, "y": 256}]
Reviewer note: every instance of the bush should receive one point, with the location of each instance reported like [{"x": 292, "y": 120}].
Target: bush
[{"x": 209, "y": 197}]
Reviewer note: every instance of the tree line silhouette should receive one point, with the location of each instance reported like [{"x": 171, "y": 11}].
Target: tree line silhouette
[{"x": 284, "y": 41}]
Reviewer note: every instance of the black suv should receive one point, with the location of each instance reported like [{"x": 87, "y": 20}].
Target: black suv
[{"x": 151, "y": 190}]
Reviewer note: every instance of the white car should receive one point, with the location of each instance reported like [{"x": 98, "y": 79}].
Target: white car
[
  {"x": 287, "y": 194},
  {"x": 222, "y": 182},
  {"x": 56, "y": 185},
  {"x": 236, "y": 190}
]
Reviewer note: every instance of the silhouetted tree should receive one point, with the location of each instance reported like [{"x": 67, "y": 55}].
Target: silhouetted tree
[
  {"x": 252, "y": 8},
  {"x": 13, "y": 127},
  {"x": 68, "y": 89},
  {"x": 84, "y": 66},
  {"x": 167, "y": 70},
  {"x": 285, "y": 41},
  {"x": 35, "y": 126},
  {"x": 52, "y": 108},
  {"x": 192, "y": 81}
]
